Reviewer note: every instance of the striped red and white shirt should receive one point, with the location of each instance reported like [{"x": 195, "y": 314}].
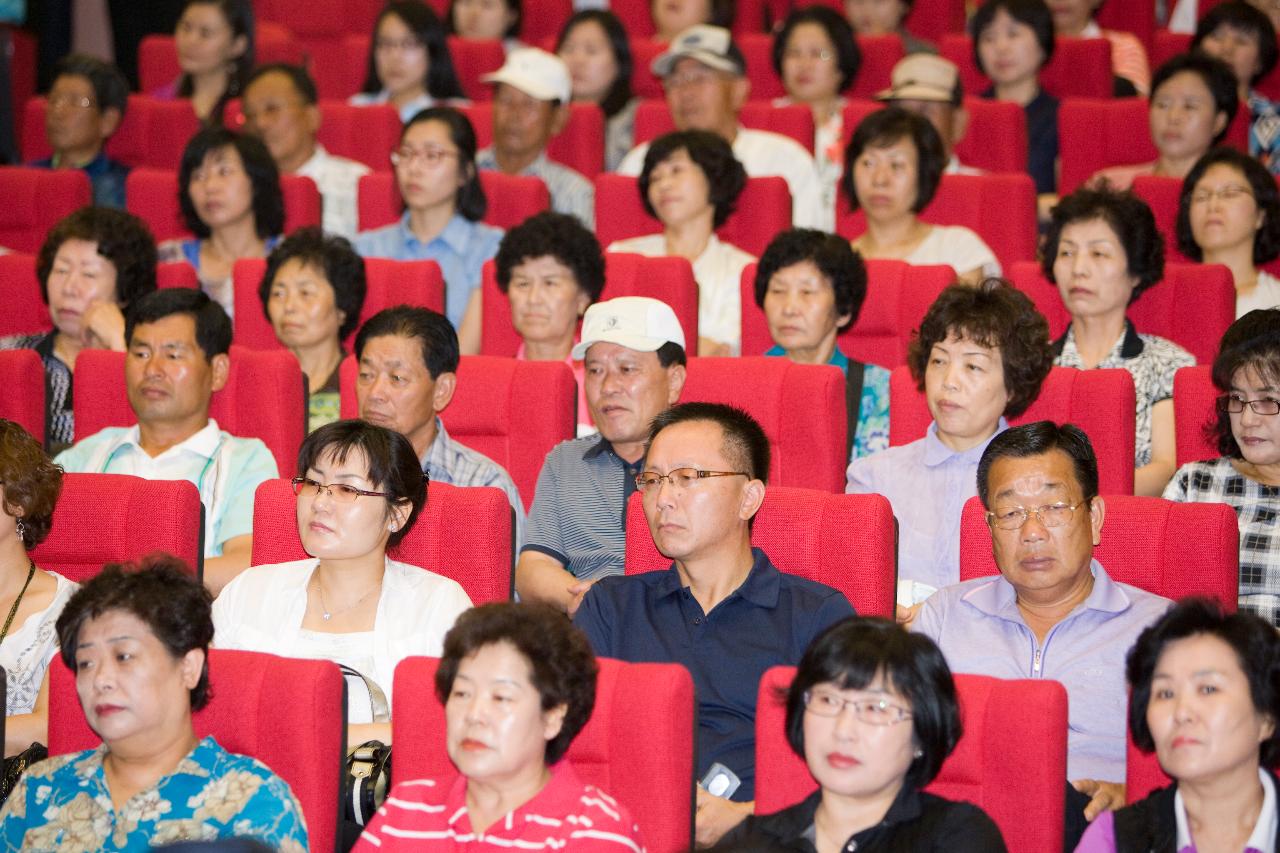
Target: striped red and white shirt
[{"x": 567, "y": 815}]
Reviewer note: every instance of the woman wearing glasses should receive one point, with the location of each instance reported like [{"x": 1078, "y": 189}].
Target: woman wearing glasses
[
  {"x": 359, "y": 488},
  {"x": 873, "y": 712},
  {"x": 436, "y": 172},
  {"x": 1247, "y": 475}
]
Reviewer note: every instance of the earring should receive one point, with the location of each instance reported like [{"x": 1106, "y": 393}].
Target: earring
[
  {"x": 22, "y": 531},
  {"x": 919, "y": 753},
  {"x": 393, "y": 527}
]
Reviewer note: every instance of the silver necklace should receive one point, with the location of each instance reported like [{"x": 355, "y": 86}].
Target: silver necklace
[{"x": 326, "y": 614}]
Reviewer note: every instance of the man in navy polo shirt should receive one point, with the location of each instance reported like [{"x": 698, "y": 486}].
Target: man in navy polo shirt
[{"x": 721, "y": 610}]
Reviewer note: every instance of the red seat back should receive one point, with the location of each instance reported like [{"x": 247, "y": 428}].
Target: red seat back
[
  {"x": 24, "y": 310},
  {"x": 289, "y": 714},
  {"x": 153, "y": 133},
  {"x": 1161, "y": 195},
  {"x": 364, "y": 134},
  {"x": 1194, "y": 415},
  {"x": 1010, "y": 762},
  {"x": 158, "y": 54},
  {"x": 34, "y": 201},
  {"x": 848, "y": 542},
  {"x": 653, "y": 119},
  {"x": 22, "y": 390},
  {"x": 152, "y": 196},
  {"x": 1080, "y": 68},
  {"x": 320, "y": 26},
  {"x": 1096, "y": 133},
  {"x": 511, "y": 199},
  {"x": 176, "y": 274},
  {"x": 579, "y": 146},
  {"x": 1100, "y": 402},
  {"x": 1132, "y": 16},
  {"x": 637, "y": 747}
]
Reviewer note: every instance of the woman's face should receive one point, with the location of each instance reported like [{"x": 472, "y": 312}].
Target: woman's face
[
  {"x": 1257, "y": 435},
  {"x": 1009, "y": 51},
  {"x": 1237, "y": 48},
  {"x": 853, "y": 758},
  {"x": 800, "y": 306},
  {"x": 672, "y": 17},
  {"x": 1092, "y": 270},
  {"x": 205, "y": 41},
  {"x": 430, "y": 171},
  {"x": 875, "y": 17},
  {"x": 1070, "y": 16},
  {"x": 221, "y": 190},
  {"x": 810, "y": 67},
  {"x": 1223, "y": 212},
  {"x": 887, "y": 180},
  {"x": 588, "y": 53},
  {"x": 79, "y": 277},
  {"x": 336, "y": 529},
  {"x": 964, "y": 387},
  {"x": 1184, "y": 118},
  {"x": 546, "y": 300},
  {"x": 301, "y": 305},
  {"x": 679, "y": 191},
  {"x": 497, "y": 730},
  {"x": 400, "y": 60},
  {"x": 482, "y": 19},
  {"x": 133, "y": 692},
  {"x": 1201, "y": 714}
]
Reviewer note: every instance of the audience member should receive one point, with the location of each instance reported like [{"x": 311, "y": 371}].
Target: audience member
[
  {"x": 312, "y": 293},
  {"x": 633, "y": 352},
  {"x": 177, "y": 343},
  {"x": 870, "y": 769},
  {"x": 360, "y": 490},
  {"x": 1246, "y": 476},
  {"x": 885, "y": 18},
  {"x": 444, "y": 203},
  {"x": 551, "y": 270},
  {"x": 672, "y": 17},
  {"x": 86, "y": 104},
  {"x": 704, "y": 75},
  {"x": 980, "y": 355},
  {"x": 93, "y": 265},
  {"x": 229, "y": 193},
  {"x": 811, "y": 286},
  {"x": 929, "y": 86},
  {"x": 593, "y": 46},
  {"x": 410, "y": 66},
  {"x": 1039, "y": 485},
  {"x": 1229, "y": 214},
  {"x": 408, "y": 364},
  {"x": 137, "y": 639},
  {"x": 1102, "y": 250},
  {"x": 893, "y": 166},
  {"x": 281, "y": 108},
  {"x": 214, "y": 39},
  {"x": 690, "y": 183},
  {"x": 530, "y": 105},
  {"x": 1076, "y": 19},
  {"x": 486, "y": 20}
]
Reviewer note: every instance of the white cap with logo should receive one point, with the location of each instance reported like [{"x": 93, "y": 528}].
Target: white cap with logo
[
  {"x": 712, "y": 46},
  {"x": 635, "y": 322},
  {"x": 535, "y": 72}
]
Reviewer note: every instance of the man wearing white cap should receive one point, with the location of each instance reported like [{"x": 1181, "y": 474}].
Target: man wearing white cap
[
  {"x": 531, "y": 105},
  {"x": 704, "y": 75},
  {"x": 929, "y": 86},
  {"x": 634, "y": 354}
]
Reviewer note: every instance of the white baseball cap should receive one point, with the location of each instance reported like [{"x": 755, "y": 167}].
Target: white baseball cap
[
  {"x": 712, "y": 46},
  {"x": 535, "y": 72},
  {"x": 635, "y": 322}
]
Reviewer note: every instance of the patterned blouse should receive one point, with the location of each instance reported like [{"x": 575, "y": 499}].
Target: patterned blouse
[
  {"x": 63, "y": 803},
  {"x": 28, "y": 650},
  {"x": 1257, "y": 509}
]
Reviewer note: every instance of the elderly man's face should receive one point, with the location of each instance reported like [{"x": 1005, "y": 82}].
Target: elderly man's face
[
  {"x": 394, "y": 389},
  {"x": 702, "y": 98},
  {"x": 523, "y": 124},
  {"x": 626, "y": 389},
  {"x": 1036, "y": 558},
  {"x": 275, "y": 112}
]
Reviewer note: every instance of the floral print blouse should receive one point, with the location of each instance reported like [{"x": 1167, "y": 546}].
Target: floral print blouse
[{"x": 63, "y": 804}]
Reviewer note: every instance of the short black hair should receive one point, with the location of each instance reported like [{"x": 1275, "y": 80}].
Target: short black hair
[
  {"x": 619, "y": 94},
  {"x": 1252, "y": 341},
  {"x": 264, "y": 177},
  {"x": 160, "y": 591},
  {"x": 471, "y": 202},
  {"x": 726, "y": 177},
  {"x": 887, "y": 127},
  {"x": 394, "y": 467},
  {"x": 433, "y": 331},
  {"x": 992, "y": 314},
  {"x": 298, "y": 76},
  {"x": 429, "y": 31},
  {"x": 1128, "y": 216},
  {"x": 562, "y": 667},
  {"x": 745, "y": 444},
  {"x": 1245, "y": 18},
  {"x": 512, "y": 31},
  {"x": 557, "y": 235},
  {"x": 122, "y": 238},
  {"x": 852, "y": 652},
  {"x": 839, "y": 32},
  {"x": 839, "y": 264},
  {"x": 239, "y": 17},
  {"x": 329, "y": 254},
  {"x": 1034, "y": 13},
  {"x": 1035, "y": 439},
  {"x": 1266, "y": 243},
  {"x": 1252, "y": 638},
  {"x": 213, "y": 326},
  {"x": 671, "y": 353},
  {"x": 1217, "y": 76},
  {"x": 110, "y": 88}
]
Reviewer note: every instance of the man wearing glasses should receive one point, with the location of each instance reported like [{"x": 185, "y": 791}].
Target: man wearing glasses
[
  {"x": 1053, "y": 612},
  {"x": 86, "y": 105},
  {"x": 722, "y": 610}
]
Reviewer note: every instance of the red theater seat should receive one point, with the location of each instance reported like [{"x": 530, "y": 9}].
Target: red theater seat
[
  {"x": 364, "y": 134},
  {"x": 1161, "y": 195},
  {"x": 34, "y": 201},
  {"x": 580, "y": 145},
  {"x": 176, "y": 274},
  {"x": 511, "y": 199},
  {"x": 152, "y": 134},
  {"x": 22, "y": 390},
  {"x": 320, "y": 26},
  {"x": 1194, "y": 397},
  {"x": 152, "y": 196},
  {"x": 24, "y": 310},
  {"x": 1080, "y": 68},
  {"x": 653, "y": 119},
  {"x": 158, "y": 54},
  {"x": 1097, "y": 133}
]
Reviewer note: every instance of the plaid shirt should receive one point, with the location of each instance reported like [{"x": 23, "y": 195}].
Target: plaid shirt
[{"x": 449, "y": 462}]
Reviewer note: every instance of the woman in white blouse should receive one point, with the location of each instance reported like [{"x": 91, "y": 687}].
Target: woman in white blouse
[{"x": 359, "y": 488}]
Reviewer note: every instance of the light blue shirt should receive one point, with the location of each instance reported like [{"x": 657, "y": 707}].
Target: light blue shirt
[
  {"x": 871, "y": 432},
  {"x": 460, "y": 249},
  {"x": 980, "y": 630},
  {"x": 570, "y": 191}
]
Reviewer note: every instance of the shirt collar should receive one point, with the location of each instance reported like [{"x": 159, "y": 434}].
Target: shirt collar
[
  {"x": 456, "y": 234},
  {"x": 1129, "y": 346},
  {"x": 435, "y": 455},
  {"x": 937, "y": 453},
  {"x": 998, "y": 598},
  {"x": 1263, "y": 838},
  {"x": 203, "y": 442},
  {"x": 1091, "y": 30},
  {"x": 838, "y": 358},
  {"x": 761, "y": 587}
]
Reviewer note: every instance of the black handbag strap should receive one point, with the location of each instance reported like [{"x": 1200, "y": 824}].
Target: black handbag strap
[{"x": 853, "y": 402}]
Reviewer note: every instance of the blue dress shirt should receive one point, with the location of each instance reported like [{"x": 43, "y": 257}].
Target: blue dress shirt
[{"x": 106, "y": 176}]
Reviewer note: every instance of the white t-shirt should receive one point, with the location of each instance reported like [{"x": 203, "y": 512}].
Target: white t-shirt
[
  {"x": 337, "y": 178},
  {"x": 28, "y": 650},
  {"x": 1265, "y": 295},
  {"x": 957, "y": 246}
]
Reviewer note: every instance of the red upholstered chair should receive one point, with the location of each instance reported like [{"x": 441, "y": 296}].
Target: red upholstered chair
[
  {"x": 24, "y": 310},
  {"x": 1192, "y": 306},
  {"x": 364, "y": 134},
  {"x": 512, "y": 411},
  {"x": 653, "y": 119},
  {"x": 320, "y": 26},
  {"x": 579, "y": 146},
  {"x": 637, "y": 747},
  {"x": 1096, "y": 133},
  {"x": 643, "y": 51},
  {"x": 848, "y": 542},
  {"x": 996, "y": 140},
  {"x": 763, "y": 210},
  {"x": 290, "y": 714},
  {"x": 263, "y": 398},
  {"x": 1194, "y": 414},
  {"x": 152, "y": 134},
  {"x": 22, "y": 390},
  {"x": 667, "y": 279},
  {"x": 1161, "y": 195},
  {"x": 898, "y": 296},
  {"x": 1080, "y": 68},
  {"x": 387, "y": 283},
  {"x": 152, "y": 195},
  {"x": 34, "y": 201},
  {"x": 115, "y": 518},
  {"x": 158, "y": 54},
  {"x": 879, "y": 55},
  {"x": 1100, "y": 402},
  {"x": 176, "y": 274},
  {"x": 1010, "y": 761},
  {"x": 512, "y": 199},
  {"x": 477, "y": 554}
]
